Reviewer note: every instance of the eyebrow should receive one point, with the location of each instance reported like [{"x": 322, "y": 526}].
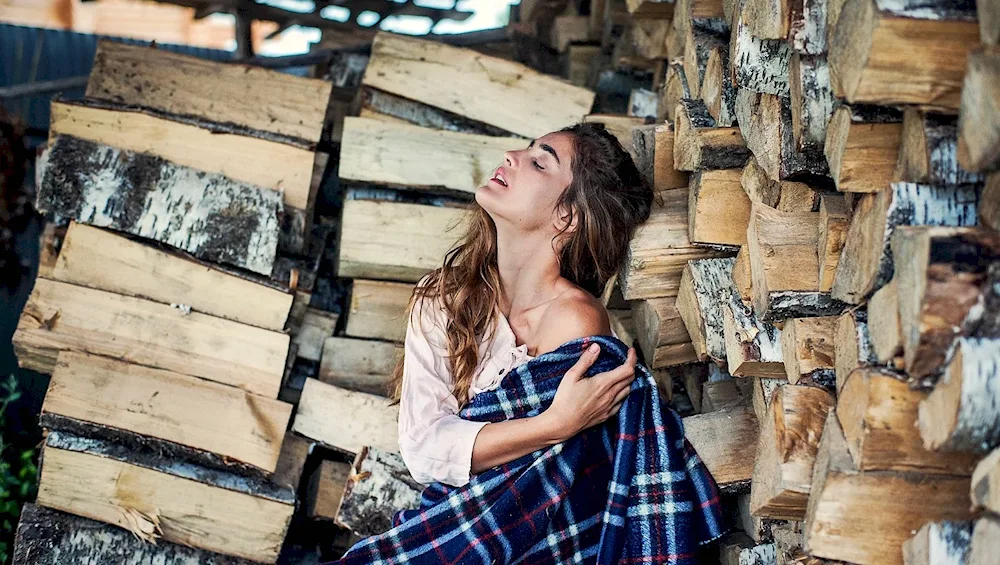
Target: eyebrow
[{"x": 548, "y": 149}]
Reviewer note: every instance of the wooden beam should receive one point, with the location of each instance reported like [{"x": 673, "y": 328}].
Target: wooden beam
[
  {"x": 862, "y": 145},
  {"x": 363, "y": 419}
]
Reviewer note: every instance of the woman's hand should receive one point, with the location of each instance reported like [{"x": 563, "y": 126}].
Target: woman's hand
[{"x": 581, "y": 402}]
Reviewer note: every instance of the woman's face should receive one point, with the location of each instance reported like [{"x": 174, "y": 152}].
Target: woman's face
[{"x": 523, "y": 191}]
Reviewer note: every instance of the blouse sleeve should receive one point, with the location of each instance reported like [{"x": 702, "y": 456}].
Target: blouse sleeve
[{"x": 434, "y": 442}]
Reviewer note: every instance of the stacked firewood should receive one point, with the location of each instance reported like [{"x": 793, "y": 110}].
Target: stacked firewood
[
  {"x": 843, "y": 310},
  {"x": 169, "y": 313}
]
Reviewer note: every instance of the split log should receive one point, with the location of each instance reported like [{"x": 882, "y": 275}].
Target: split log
[
  {"x": 660, "y": 332},
  {"x": 801, "y": 22},
  {"x": 378, "y": 310},
  {"x": 382, "y": 105},
  {"x": 741, "y": 274},
  {"x": 418, "y": 158},
  {"x": 807, "y": 346},
  {"x": 359, "y": 364},
  {"x": 325, "y": 491},
  {"x": 726, "y": 441},
  {"x": 962, "y": 413},
  {"x": 702, "y": 13},
  {"x": 578, "y": 62},
  {"x": 886, "y": 53},
  {"x": 653, "y": 150},
  {"x": 766, "y": 124},
  {"x": 61, "y": 316},
  {"x": 362, "y": 419},
  {"x": 944, "y": 543},
  {"x": 789, "y": 438},
  {"x": 862, "y": 146},
  {"x": 700, "y": 145},
  {"x": 834, "y": 219},
  {"x": 984, "y": 545},
  {"x": 732, "y": 545},
  {"x": 379, "y": 485},
  {"x": 309, "y": 335},
  {"x": 852, "y": 345},
  {"x": 784, "y": 266},
  {"x": 649, "y": 37},
  {"x": 989, "y": 209},
  {"x": 798, "y": 197},
  {"x": 753, "y": 347},
  {"x": 812, "y": 100},
  {"x": 764, "y": 554},
  {"x": 196, "y": 144},
  {"x": 876, "y": 216},
  {"x": 623, "y": 325},
  {"x": 986, "y": 483},
  {"x": 295, "y": 449},
  {"x": 196, "y": 413},
  {"x": 567, "y": 29},
  {"x": 650, "y": 9},
  {"x": 243, "y": 96},
  {"x": 705, "y": 286},
  {"x": 928, "y": 151},
  {"x": 718, "y": 208},
  {"x": 840, "y": 494},
  {"x": 660, "y": 249},
  {"x": 699, "y": 42},
  {"x": 717, "y": 91},
  {"x": 763, "y": 393},
  {"x": 759, "y": 65},
  {"x": 642, "y": 103},
  {"x": 487, "y": 89},
  {"x": 947, "y": 288},
  {"x": 207, "y": 214},
  {"x": 693, "y": 377},
  {"x": 758, "y": 185},
  {"x": 760, "y": 530},
  {"x": 156, "y": 498},
  {"x": 979, "y": 127},
  {"x": 51, "y": 537},
  {"x": 717, "y": 395},
  {"x": 674, "y": 90},
  {"x": 878, "y": 413},
  {"x": 414, "y": 246},
  {"x": 883, "y": 323},
  {"x": 103, "y": 260}
]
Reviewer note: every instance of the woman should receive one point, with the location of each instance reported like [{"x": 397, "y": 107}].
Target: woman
[{"x": 523, "y": 462}]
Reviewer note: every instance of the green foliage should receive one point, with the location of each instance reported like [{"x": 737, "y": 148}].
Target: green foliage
[{"x": 18, "y": 474}]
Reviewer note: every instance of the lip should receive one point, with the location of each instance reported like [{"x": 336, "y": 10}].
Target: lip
[{"x": 499, "y": 171}]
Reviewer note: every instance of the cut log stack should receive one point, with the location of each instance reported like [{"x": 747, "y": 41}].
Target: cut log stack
[
  {"x": 842, "y": 164},
  {"x": 166, "y": 320}
]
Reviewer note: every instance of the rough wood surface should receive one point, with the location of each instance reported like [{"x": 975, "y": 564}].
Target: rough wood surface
[
  {"x": 726, "y": 441},
  {"x": 984, "y": 541},
  {"x": 207, "y": 214},
  {"x": 325, "y": 491},
  {"x": 705, "y": 284},
  {"x": 243, "y": 95},
  {"x": 758, "y": 185},
  {"x": 782, "y": 249},
  {"x": 741, "y": 274},
  {"x": 862, "y": 154},
  {"x": 157, "y": 499},
  {"x": 674, "y": 90},
  {"x": 717, "y": 395},
  {"x": 812, "y": 100},
  {"x": 852, "y": 345},
  {"x": 193, "y": 412},
  {"x": 643, "y": 103},
  {"x": 414, "y": 246},
  {"x": 379, "y": 485},
  {"x": 65, "y": 317},
  {"x": 309, "y": 334},
  {"x": 798, "y": 197},
  {"x": 789, "y": 438},
  {"x": 653, "y": 151},
  {"x": 659, "y": 329},
  {"x": 699, "y": 42},
  {"x": 882, "y": 58},
  {"x": 807, "y": 346},
  {"x": 501, "y": 93},
  {"x": 946, "y": 286},
  {"x": 700, "y": 145},
  {"x": 986, "y": 483},
  {"x": 418, "y": 158},
  {"x": 876, "y": 217},
  {"x": 962, "y": 413},
  {"x": 989, "y": 209},
  {"x": 51, "y": 537},
  {"x": 104, "y": 260},
  {"x": 194, "y": 144},
  {"x": 378, "y": 310},
  {"x": 717, "y": 91},
  {"x": 363, "y": 419},
  {"x": 883, "y": 323},
  {"x": 359, "y": 364},
  {"x": 295, "y": 449},
  {"x": 718, "y": 208},
  {"x": 387, "y": 106},
  {"x": 947, "y": 543},
  {"x": 766, "y": 124},
  {"x": 878, "y": 413},
  {"x": 834, "y": 219},
  {"x": 753, "y": 347},
  {"x": 979, "y": 125},
  {"x": 841, "y": 494},
  {"x": 760, "y": 65},
  {"x": 763, "y": 393},
  {"x": 928, "y": 151}
]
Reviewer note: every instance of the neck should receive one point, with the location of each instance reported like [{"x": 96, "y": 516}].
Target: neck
[{"x": 529, "y": 270}]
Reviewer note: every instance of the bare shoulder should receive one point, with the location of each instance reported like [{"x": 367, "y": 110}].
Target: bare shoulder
[{"x": 574, "y": 315}]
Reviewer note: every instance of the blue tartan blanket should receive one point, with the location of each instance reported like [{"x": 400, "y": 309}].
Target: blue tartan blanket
[{"x": 631, "y": 490}]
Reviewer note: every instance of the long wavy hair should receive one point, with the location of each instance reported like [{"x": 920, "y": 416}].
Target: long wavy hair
[{"x": 608, "y": 198}]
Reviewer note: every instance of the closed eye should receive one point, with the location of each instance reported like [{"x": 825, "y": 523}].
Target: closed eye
[{"x": 537, "y": 166}]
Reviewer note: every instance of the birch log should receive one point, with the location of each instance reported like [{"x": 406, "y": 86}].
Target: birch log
[
  {"x": 862, "y": 145},
  {"x": 876, "y": 216},
  {"x": 674, "y": 90},
  {"x": 834, "y": 219},
  {"x": 717, "y": 91},
  {"x": 705, "y": 287},
  {"x": 206, "y": 214},
  {"x": 979, "y": 117},
  {"x": 812, "y": 100},
  {"x": 883, "y": 323},
  {"x": 700, "y": 145},
  {"x": 661, "y": 333},
  {"x": 753, "y": 348},
  {"x": 947, "y": 288},
  {"x": 985, "y": 541},
  {"x": 766, "y": 124},
  {"x": 853, "y": 345},
  {"x": 760, "y": 65},
  {"x": 699, "y": 42},
  {"x": 718, "y": 208},
  {"x": 807, "y": 346},
  {"x": 379, "y": 485},
  {"x": 962, "y": 413},
  {"x": 986, "y": 483},
  {"x": 928, "y": 151},
  {"x": 741, "y": 274},
  {"x": 939, "y": 543},
  {"x": 801, "y": 22},
  {"x": 385, "y": 106}
]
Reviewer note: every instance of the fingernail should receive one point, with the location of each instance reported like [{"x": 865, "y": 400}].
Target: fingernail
[{"x": 594, "y": 348}]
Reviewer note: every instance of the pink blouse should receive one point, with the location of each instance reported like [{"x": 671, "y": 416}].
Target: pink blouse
[{"x": 434, "y": 442}]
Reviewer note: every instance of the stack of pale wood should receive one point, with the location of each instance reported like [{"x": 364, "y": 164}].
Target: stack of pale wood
[
  {"x": 837, "y": 162},
  {"x": 168, "y": 316}
]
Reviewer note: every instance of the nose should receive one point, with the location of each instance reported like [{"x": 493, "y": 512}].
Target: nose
[{"x": 510, "y": 158}]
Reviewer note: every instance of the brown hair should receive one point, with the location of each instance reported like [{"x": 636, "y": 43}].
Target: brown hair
[{"x": 607, "y": 197}]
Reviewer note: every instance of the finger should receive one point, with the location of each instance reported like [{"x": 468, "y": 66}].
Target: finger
[
  {"x": 584, "y": 362},
  {"x": 622, "y": 394}
]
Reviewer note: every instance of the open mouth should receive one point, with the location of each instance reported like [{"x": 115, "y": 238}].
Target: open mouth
[{"x": 498, "y": 178}]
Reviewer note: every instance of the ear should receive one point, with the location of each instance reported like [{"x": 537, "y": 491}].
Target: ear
[{"x": 564, "y": 218}]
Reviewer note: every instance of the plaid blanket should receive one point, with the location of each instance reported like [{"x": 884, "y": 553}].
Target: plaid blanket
[{"x": 630, "y": 491}]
